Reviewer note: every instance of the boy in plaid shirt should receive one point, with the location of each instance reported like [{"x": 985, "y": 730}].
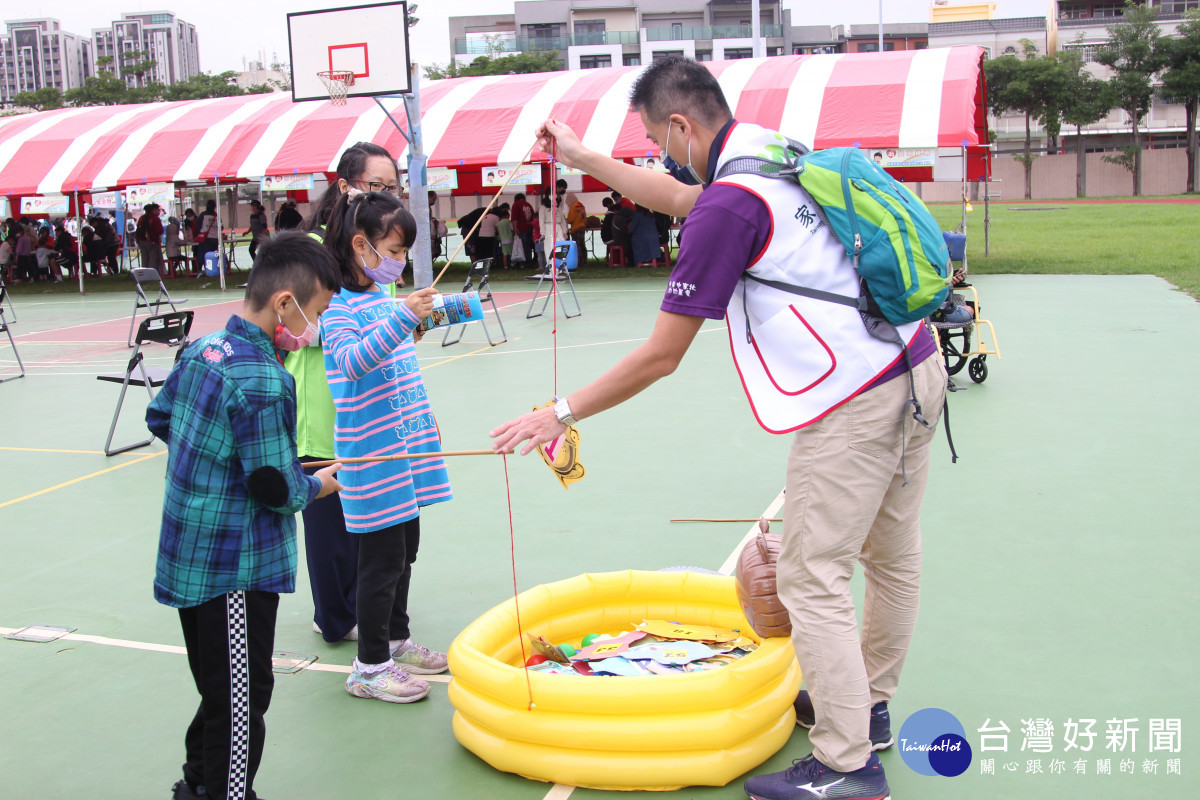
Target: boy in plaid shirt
[{"x": 227, "y": 547}]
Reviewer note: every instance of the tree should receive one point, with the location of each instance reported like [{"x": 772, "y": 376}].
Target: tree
[
  {"x": 411, "y": 17},
  {"x": 515, "y": 64},
  {"x": 137, "y": 63},
  {"x": 1034, "y": 85},
  {"x": 101, "y": 89},
  {"x": 1089, "y": 100},
  {"x": 1135, "y": 52},
  {"x": 203, "y": 85},
  {"x": 40, "y": 99},
  {"x": 1181, "y": 82}
]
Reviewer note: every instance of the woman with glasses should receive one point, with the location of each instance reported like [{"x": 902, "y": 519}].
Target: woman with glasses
[{"x": 331, "y": 552}]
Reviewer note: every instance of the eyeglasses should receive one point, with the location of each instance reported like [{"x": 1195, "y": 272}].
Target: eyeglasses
[{"x": 375, "y": 186}]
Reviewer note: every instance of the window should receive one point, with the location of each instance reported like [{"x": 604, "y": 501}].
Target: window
[
  {"x": 1178, "y": 6},
  {"x": 1086, "y": 51},
  {"x": 1108, "y": 9},
  {"x": 873, "y": 47},
  {"x": 589, "y": 26},
  {"x": 676, "y": 30},
  {"x": 662, "y": 54},
  {"x": 704, "y": 55},
  {"x": 595, "y": 62},
  {"x": 774, "y": 51},
  {"x": 739, "y": 52},
  {"x": 632, "y": 60}
]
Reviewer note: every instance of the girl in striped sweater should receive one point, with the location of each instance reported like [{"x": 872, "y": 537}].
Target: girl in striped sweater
[{"x": 382, "y": 409}]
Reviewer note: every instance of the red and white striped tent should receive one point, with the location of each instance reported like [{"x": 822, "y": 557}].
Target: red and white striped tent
[{"x": 925, "y": 99}]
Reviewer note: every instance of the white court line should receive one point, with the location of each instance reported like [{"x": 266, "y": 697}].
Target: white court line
[
  {"x": 121, "y": 319},
  {"x": 176, "y": 649}
]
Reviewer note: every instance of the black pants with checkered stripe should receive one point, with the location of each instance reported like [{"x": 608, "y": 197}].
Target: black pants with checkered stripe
[{"x": 229, "y": 643}]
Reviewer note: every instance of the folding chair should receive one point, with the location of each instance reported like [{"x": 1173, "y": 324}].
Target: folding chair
[
  {"x": 4, "y": 323},
  {"x": 566, "y": 254},
  {"x": 169, "y": 329},
  {"x": 149, "y": 277},
  {"x": 477, "y": 277}
]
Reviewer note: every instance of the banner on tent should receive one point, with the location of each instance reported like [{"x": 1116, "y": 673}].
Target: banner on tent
[
  {"x": 525, "y": 174},
  {"x": 438, "y": 179},
  {"x": 650, "y": 163},
  {"x": 52, "y": 204},
  {"x": 565, "y": 171},
  {"x": 161, "y": 193},
  {"x": 4, "y": 212},
  {"x": 105, "y": 200},
  {"x": 903, "y": 157},
  {"x": 287, "y": 183}
]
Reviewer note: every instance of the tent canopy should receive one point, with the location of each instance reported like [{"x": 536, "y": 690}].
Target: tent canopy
[{"x": 910, "y": 99}]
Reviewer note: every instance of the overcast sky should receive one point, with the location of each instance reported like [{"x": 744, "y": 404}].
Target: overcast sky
[{"x": 232, "y": 31}]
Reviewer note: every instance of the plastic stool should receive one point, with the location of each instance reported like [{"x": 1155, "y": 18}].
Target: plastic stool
[{"x": 616, "y": 256}]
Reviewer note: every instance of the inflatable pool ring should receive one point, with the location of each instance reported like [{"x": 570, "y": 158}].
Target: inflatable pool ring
[{"x": 660, "y": 732}]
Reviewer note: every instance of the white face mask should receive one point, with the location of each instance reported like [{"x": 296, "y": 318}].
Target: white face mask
[{"x": 688, "y": 166}]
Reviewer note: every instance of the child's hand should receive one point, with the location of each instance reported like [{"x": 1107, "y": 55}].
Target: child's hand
[
  {"x": 420, "y": 302},
  {"x": 329, "y": 484}
]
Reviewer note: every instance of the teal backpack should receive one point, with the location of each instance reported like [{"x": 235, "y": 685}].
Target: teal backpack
[{"x": 895, "y": 243}]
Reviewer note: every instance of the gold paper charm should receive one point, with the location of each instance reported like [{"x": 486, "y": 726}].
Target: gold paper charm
[{"x": 562, "y": 455}]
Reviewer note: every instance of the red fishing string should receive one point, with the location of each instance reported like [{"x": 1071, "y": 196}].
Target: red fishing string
[
  {"x": 554, "y": 258},
  {"x": 512, "y": 541}
]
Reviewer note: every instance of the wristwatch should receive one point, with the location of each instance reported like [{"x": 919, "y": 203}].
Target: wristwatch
[{"x": 562, "y": 410}]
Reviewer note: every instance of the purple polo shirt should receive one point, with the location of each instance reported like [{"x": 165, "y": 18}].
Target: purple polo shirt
[{"x": 728, "y": 229}]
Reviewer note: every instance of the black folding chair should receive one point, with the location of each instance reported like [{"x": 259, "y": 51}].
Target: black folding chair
[
  {"x": 4, "y": 323},
  {"x": 145, "y": 276},
  {"x": 169, "y": 329},
  {"x": 566, "y": 258},
  {"x": 7, "y": 296},
  {"x": 477, "y": 277}
]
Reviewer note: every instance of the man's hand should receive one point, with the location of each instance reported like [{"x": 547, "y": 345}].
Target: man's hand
[
  {"x": 420, "y": 302},
  {"x": 538, "y": 427},
  {"x": 329, "y": 484},
  {"x": 570, "y": 150}
]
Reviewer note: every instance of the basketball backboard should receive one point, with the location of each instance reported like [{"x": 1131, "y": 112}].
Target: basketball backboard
[{"x": 371, "y": 41}]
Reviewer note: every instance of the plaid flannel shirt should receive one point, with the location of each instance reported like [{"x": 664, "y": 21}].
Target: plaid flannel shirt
[{"x": 227, "y": 408}]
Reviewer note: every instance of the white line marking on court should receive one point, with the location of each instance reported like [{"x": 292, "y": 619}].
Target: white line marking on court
[
  {"x": 176, "y": 649},
  {"x": 559, "y": 791},
  {"x": 731, "y": 562}
]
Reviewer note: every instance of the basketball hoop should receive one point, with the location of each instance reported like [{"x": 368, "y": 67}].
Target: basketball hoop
[{"x": 338, "y": 82}]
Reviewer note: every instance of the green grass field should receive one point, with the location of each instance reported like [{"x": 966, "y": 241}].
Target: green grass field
[{"x": 1053, "y": 238}]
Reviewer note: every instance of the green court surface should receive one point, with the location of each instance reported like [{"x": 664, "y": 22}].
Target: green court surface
[{"x": 1058, "y": 549}]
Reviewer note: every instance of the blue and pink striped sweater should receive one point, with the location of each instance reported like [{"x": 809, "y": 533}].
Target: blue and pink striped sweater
[{"x": 382, "y": 409}]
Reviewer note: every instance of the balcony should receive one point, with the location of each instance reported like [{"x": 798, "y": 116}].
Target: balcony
[
  {"x": 509, "y": 44},
  {"x": 708, "y": 32},
  {"x": 604, "y": 37}
]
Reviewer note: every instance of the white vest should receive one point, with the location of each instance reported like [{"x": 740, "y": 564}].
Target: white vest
[{"x": 805, "y": 357}]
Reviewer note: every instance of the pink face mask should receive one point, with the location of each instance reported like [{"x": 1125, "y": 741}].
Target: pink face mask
[{"x": 286, "y": 340}]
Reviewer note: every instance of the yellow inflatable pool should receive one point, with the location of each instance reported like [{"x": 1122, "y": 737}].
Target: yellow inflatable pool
[{"x": 658, "y": 732}]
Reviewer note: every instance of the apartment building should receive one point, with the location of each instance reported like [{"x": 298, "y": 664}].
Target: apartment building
[
  {"x": 38, "y": 53},
  {"x": 170, "y": 41},
  {"x": 608, "y": 33}
]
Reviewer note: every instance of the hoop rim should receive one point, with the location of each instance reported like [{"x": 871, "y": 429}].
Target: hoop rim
[{"x": 345, "y": 76}]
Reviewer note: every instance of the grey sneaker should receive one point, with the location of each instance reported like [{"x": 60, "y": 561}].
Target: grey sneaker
[
  {"x": 392, "y": 685},
  {"x": 417, "y": 658}
]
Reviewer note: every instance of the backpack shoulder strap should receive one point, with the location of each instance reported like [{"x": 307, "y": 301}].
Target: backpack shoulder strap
[{"x": 756, "y": 165}]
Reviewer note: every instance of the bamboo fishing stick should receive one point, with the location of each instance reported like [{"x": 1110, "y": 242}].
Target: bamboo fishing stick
[
  {"x": 479, "y": 221},
  {"x": 401, "y": 457},
  {"x": 704, "y": 519}
]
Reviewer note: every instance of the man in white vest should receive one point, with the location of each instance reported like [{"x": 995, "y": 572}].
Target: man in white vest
[{"x": 859, "y": 460}]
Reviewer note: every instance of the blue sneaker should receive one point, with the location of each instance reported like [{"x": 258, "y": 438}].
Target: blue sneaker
[
  {"x": 809, "y": 779},
  {"x": 881, "y": 721}
]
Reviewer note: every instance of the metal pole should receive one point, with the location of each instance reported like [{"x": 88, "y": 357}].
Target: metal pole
[
  {"x": 418, "y": 192},
  {"x": 755, "y": 29},
  {"x": 881, "y": 26},
  {"x": 220, "y": 240},
  {"x": 79, "y": 242}
]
